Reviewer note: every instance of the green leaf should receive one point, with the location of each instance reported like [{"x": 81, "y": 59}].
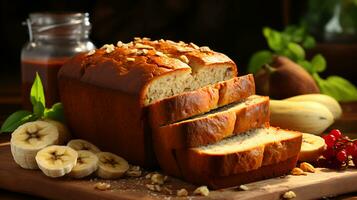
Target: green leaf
[
  {"x": 306, "y": 65},
  {"x": 297, "y": 50},
  {"x": 37, "y": 96},
  {"x": 259, "y": 59},
  {"x": 55, "y": 113},
  {"x": 309, "y": 42},
  {"x": 38, "y": 109},
  {"x": 318, "y": 63},
  {"x": 274, "y": 39},
  {"x": 337, "y": 87},
  {"x": 15, "y": 120}
]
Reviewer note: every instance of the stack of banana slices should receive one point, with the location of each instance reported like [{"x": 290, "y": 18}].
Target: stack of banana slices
[{"x": 39, "y": 145}]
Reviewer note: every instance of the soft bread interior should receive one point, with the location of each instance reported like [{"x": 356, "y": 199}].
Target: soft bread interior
[
  {"x": 253, "y": 99},
  {"x": 246, "y": 141},
  {"x": 176, "y": 83}
]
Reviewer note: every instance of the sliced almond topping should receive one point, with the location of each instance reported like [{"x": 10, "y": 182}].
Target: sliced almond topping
[
  {"x": 184, "y": 59},
  {"x": 202, "y": 190},
  {"x": 194, "y": 45},
  {"x": 289, "y": 195},
  {"x": 120, "y": 44},
  {"x": 159, "y": 53},
  {"x": 171, "y": 42},
  {"x": 297, "y": 172},
  {"x": 161, "y": 40},
  {"x": 205, "y": 49},
  {"x": 182, "y": 192},
  {"x": 108, "y": 48},
  {"x": 130, "y": 59},
  {"x": 91, "y": 52},
  {"x": 134, "y": 51},
  {"x": 130, "y": 44},
  {"x": 146, "y": 38},
  {"x": 137, "y": 39},
  {"x": 182, "y": 43},
  {"x": 307, "y": 167},
  {"x": 142, "y": 52},
  {"x": 143, "y": 46}
]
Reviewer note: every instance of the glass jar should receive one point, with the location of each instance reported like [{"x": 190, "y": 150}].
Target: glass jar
[{"x": 53, "y": 39}]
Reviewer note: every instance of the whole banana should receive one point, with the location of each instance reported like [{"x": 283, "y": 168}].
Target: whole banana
[
  {"x": 325, "y": 100},
  {"x": 307, "y": 116}
]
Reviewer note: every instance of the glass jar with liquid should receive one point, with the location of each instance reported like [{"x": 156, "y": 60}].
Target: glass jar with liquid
[{"x": 53, "y": 39}]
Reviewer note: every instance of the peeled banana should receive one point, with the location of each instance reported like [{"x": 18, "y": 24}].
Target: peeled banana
[
  {"x": 311, "y": 148},
  {"x": 307, "y": 116},
  {"x": 30, "y": 138},
  {"x": 111, "y": 166},
  {"x": 56, "y": 161},
  {"x": 79, "y": 144},
  {"x": 87, "y": 163},
  {"x": 64, "y": 134},
  {"x": 325, "y": 100}
]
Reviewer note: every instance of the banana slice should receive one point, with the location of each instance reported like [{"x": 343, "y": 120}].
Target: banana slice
[
  {"x": 311, "y": 148},
  {"x": 87, "y": 163},
  {"x": 30, "y": 138},
  {"x": 79, "y": 144},
  {"x": 111, "y": 166},
  {"x": 64, "y": 134},
  {"x": 56, "y": 161}
]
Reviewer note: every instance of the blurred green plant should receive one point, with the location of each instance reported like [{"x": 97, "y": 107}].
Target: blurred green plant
[{"x": 292, "y": 42}]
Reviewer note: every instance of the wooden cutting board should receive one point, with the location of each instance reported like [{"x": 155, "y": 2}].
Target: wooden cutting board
[{"x": 315, "y": 185}]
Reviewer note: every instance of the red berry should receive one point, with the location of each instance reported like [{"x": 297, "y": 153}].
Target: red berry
[
  {"x": 328, "y": 153},
  {"x": 341, "y": 156},
  {"x": 335, "y": 132},
  {"x": 351, "y": 149},
  {"x": 329, "y": 140}
]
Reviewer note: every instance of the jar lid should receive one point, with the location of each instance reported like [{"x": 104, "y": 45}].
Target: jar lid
[{"x": 58, "y": 24}]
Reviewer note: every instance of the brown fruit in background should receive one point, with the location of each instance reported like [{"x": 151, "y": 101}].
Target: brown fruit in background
[{"x": 284, "y": 78}]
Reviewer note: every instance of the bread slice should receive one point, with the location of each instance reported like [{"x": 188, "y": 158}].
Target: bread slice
[
  {"x": 209, "y": 128},
  {"x": 190, "y": 104},
  {"x": 239, "y": 155}
]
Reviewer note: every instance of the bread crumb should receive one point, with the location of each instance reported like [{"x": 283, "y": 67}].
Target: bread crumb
[
  {"x": 297, "y": 172},
  {"x": 148, "y": 176},
  {"x": 102, "y": 186},
  {"x": 158, "y": 179},
  {"x": 202, "y": 190},
  {"x": 243, "y": 187},
  {"x": 307, "y": 167},
  {"x": 150, "y": 187},
  {"x": 289, "y": 195},
  {"x": 134, "y": 171},
  {"x": 182, "y": 192}
]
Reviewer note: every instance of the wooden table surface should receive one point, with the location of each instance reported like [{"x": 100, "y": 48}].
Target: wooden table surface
[{"x": 10, "y": 101}]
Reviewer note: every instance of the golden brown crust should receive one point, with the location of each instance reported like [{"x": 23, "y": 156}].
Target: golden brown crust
[
  {"x": 264, "y": 172},
  {"x": 201, "y": 168},
  {"x": 212, "y": 128},
  {"x": 190, "y": 104},
  {"x": 131, "y": 67},
  {"x": 97, "y": 114}
]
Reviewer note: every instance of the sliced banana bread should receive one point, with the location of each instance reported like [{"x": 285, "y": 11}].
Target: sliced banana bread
[
  {"x": 190, "y": 104},
  {"x": 104, "y": 93},
  {"x": 209, "y": 128},
  {"x": 254, "y": 155}
]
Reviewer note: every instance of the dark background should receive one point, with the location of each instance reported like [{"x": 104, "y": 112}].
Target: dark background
[{"x": 229, "y": 26}]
